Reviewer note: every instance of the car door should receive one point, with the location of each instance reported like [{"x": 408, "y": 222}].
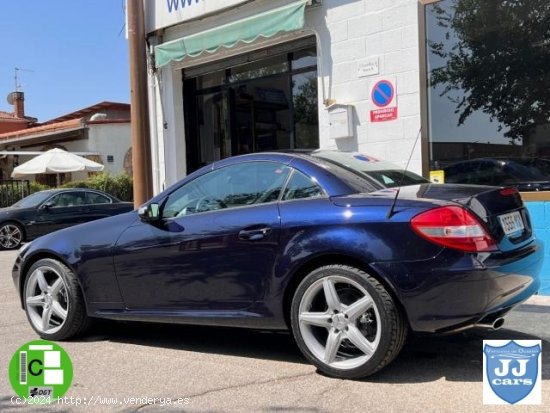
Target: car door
[
  {"x": 215, "y": 246},
  {"x": 60, "y": 211}
]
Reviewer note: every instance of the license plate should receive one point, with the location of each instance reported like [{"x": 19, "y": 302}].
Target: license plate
[{"x": 511, "y": 222}]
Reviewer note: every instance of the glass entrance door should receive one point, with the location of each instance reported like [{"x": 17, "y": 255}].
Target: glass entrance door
[{"x": 266, "y": 104}]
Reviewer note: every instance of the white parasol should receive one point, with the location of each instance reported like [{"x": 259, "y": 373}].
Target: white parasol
[{"x": 56, "y": 161}]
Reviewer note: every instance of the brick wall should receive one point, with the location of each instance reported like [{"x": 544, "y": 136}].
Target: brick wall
[{"x": 353, "y": 32}]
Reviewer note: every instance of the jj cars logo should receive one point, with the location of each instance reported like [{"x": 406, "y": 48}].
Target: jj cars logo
[{"x": 511, "y": 372}]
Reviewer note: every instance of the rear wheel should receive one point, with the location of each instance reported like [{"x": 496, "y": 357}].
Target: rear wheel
[
  {"x": 11, "y": 236},
  {"x": 345, "y": 322},
  {"x": 53, "y": 301}
]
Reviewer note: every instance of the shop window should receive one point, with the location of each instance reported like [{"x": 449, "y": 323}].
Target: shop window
[
  {"x": 304, "y": 58},
  {"x": 268, "y": 103},
  {"x": 211, "y": 80},
  {"x": 488, "y": 70},
  {"x": 260, "y": 68},
  {"x": 306, "y": 119}
]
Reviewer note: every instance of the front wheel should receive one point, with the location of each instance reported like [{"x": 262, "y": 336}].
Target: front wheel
[
  {"x": 11, "y": 236},
  {"x": 53, "y": 301},
  {"x": 345, "y": 322}
]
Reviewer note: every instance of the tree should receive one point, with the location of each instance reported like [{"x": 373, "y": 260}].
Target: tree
[
  {"x": 305, "y": 102},
  {"x": 497, "y": 55}
]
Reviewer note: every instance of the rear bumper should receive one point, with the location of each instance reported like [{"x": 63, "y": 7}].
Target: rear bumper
[{"x": 454, "y": 290}]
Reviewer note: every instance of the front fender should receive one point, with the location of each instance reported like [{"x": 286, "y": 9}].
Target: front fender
[{"x": 88, "y": 250}]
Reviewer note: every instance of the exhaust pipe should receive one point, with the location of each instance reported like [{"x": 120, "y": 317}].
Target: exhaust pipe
[{"x": 495, "y": 325}]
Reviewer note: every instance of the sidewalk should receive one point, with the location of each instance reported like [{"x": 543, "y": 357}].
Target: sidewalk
[{"x": 539, "y": 300}]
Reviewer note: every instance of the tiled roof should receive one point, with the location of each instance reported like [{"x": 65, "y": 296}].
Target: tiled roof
[
  {"x": 49, "y": 128},
  {"x": 6, "y": 115},
  {"x": 90, "y": 109}
]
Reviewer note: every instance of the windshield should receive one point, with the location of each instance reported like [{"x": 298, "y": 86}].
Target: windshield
[
  {"x": 385, "y": 174},
  {"x": 32, "y": 200}
]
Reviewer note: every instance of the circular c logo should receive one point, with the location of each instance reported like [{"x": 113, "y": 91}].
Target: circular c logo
[{"x": 40, "y": 371}]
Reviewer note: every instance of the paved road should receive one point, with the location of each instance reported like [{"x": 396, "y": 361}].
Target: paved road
[{"x": 232, "y": 370}]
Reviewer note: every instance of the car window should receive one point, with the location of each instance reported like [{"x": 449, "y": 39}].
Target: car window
[
  {"x": 301, "y": 186},
  {"x": 95, "y": 198},
  {"x": 229, "y": 187},
  {"x": 66, "y": 199},
  {"x": 486, "y": 173},
  {"x": 383, "y": 174},
  {"x": 462, "y": 173},
  {"x": 32, "y": 200}
]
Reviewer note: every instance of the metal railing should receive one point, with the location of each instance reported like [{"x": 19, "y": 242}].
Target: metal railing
[{"x": 12, "y": 191}]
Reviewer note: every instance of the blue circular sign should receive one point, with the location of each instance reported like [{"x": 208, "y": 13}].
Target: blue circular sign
[{"x": 382, "y": 93}]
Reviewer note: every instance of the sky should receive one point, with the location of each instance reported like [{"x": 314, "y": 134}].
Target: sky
[{"x": 76, "y": 49}]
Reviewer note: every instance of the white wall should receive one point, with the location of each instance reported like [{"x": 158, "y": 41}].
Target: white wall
[
  {"x": 105, "y": 139},
  {"x": 110, "y": 139},
  {"x": 355, "y": 31},
  {"x": 349, "y": 32}
]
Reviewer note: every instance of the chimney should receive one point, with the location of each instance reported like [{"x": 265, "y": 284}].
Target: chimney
[{"x": 19, "y": 104}]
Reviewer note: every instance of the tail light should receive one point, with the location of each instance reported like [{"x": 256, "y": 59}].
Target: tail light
[
  {"x": 454, "y": 227},
  {"x": 509, "y": 191}
]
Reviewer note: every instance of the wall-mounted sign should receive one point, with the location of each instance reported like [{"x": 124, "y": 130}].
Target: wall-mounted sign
[
  {"x": 163, "y": 13},
  {"x": 368, "y": 67},
  {"x": 383, "y": 94}
]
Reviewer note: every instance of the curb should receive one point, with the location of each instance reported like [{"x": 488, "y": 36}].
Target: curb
[{"x": 543, "y": 300}]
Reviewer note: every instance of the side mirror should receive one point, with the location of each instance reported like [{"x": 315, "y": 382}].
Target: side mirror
[
  {"x": 149, "y": 213},
  {"x": 46, "y": 206}
]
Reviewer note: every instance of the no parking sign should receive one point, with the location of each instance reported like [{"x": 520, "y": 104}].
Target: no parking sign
[{"x": 384, "y": 101}]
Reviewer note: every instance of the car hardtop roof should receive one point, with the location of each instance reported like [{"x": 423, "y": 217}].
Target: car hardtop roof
[
  {"x": 54, "y": 190},
  {"x": 59, "y": 190}
]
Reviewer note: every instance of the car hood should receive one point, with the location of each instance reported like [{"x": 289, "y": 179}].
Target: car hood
[
  {"x": 9, "y": 210},
  {"x": 76, "y": 241}
]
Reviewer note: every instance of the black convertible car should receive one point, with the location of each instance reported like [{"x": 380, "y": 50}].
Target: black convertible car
[{"x": 47, "y": 211}]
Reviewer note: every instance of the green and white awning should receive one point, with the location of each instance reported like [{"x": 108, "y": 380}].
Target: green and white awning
[{"x": 267, "y": 24}]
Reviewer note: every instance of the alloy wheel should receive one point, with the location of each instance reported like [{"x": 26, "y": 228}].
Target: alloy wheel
[
  {"x": 46, "y": 300},
  {"x": 10, "y": 236},
  {"x": 339, "y": 322}
]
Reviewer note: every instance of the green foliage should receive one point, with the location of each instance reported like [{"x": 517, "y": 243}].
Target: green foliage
[
  {"x": 10, "y": 194},
  {"x": 498, "y": 61},
  {"x": 37, "y": 187},
  {"x": 120, "y": 186},
  {"x": 305, "y": 102},
  {"x": 306, "y": 115}
]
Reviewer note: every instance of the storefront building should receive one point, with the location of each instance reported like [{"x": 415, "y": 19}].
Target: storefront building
[{"x": 457, "y": 87}]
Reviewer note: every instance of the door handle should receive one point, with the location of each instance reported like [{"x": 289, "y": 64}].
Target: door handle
[{"x": 254, "y": 234}]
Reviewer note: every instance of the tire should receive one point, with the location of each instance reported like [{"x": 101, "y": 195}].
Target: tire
[
  {"x": 354, "y": 332},
  {"x": 11, "y": 236},
  {"x": 51, "y": 286}
]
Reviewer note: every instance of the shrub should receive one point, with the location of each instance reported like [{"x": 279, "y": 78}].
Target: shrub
[
  {"x": 36, "y": 187},
  {"x": 120, "y": 186},
  {"x": 10, "y": 194}
]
